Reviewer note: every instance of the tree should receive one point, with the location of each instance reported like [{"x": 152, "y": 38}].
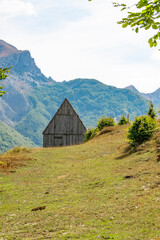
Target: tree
[
  {"x": 151, "y": 111},
  {"x": 146, "y": 16},
  {"x": 3, "y": 75},
  {"x": 143, "y": 127},
  {"x": 141, "y": 130},
  {"x": 123, "y": 120},
  {"x": 105, "y": 122}
]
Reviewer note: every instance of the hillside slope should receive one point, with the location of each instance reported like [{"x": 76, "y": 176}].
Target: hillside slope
[
  {"x": 97, "y": 190},
  {"x": 10, "y": 138}
]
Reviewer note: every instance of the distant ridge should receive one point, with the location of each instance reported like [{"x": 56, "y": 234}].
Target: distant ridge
[{"x": 154, "y": 96}]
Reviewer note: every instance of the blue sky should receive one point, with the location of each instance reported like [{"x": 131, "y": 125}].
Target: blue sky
[{"x": 79, "y": 39}]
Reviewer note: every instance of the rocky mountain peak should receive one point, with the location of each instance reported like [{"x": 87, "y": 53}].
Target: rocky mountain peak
[
  {"x": 24, "y": 76},
  {"x": 22, "y": 65},
  {"x": 7, "y": 49}
]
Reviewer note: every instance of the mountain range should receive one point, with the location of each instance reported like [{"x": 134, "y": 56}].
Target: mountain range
[
  {"x": 32, "y": 99},
  {"x": 154, "y": 97}
]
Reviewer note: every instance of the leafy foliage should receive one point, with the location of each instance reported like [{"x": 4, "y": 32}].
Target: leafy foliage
[
  {"x": 141, "y": 129},
  {"x": 151, "y": 111},
  {"x": 3, "y": 75},
  {"x": 123, "y": 120},
  {"x": 90, "y": 133},
  {"x": 101, "y": 123},
  {"x": 146, "y": 17},
  {"x": 104, "y": 122}
]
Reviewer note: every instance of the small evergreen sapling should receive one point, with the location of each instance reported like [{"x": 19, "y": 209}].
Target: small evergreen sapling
[
  {"x": 151, "y": 111},
  {"x": 90, "y": 133},
  {"x": 104, "y": 122},
  {"x": 123, "y": 120},
  {"x": 141, "y": 129}
]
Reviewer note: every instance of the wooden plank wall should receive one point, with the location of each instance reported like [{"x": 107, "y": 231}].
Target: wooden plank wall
[
  {"x": 65, "y": 128},
  {"x": 65, "y": 124},
  {"x": 51, "y": 140}
]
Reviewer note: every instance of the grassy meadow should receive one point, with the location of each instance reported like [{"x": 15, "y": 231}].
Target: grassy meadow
[{"x": 102, "y": 189}]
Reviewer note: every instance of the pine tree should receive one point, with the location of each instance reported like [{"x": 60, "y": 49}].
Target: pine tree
[{"x": 151, "y": 111}]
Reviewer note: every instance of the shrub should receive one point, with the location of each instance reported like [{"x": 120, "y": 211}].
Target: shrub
[
  {"x": 105, "y": 121},
  {"x": 151, "y": 111},
  {"x": 123, "y": 120},
  {"x": 90, "y": 133},
  {"x": 141, "y": 129},
  {"x": 18, "y": 149}
]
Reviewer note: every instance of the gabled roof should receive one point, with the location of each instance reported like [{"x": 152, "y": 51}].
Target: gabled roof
[{"x": 62, "y": 110}]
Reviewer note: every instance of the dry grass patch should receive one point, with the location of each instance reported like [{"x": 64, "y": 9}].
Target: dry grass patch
[{"x": 18, "y": 157}]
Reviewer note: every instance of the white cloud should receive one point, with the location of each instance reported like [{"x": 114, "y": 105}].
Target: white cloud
[
  {"x": 11, "y": 8},
  {"x": 156, "y": 55}
]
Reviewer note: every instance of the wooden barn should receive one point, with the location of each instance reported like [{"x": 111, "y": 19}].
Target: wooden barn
[{"x": 65, "y": 128}]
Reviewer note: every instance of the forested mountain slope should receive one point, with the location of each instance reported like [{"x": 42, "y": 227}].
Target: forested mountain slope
[{"x": 10, "y": 138}]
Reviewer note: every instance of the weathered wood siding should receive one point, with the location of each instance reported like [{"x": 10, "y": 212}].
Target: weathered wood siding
[
  {"x": 51, "y": 140},
  {"x": 65, "y": 128}
]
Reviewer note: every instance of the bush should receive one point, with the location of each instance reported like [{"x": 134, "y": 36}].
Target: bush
[
  {"x": 151, "y": 111},
  {"x": 90, "y": 133},
  {"x": 105, "y": 121},
  {"x": 123, "y": 120},
  {"x": 18, "y": 150},
  {"x": 141, "y": 129}
]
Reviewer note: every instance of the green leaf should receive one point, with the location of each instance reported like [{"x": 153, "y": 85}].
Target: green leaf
[
  {"x": 136, "y": 30},
  {"x": 155, "y": 44},
  {"x": 124, "y": 25},
  {"x": 146, "y": 28},
  {"x": 154, "y": 26},
  {"x": 145, "y": 16},
  {"x": 150, "y": 40},
  {"x": 151, "y": 44}
]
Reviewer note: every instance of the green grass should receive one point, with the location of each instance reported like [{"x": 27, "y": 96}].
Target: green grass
[{"x": 84, "y": 189}]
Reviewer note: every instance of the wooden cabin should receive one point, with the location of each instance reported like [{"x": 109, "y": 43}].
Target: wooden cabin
[{"x": 65, "y": 128}]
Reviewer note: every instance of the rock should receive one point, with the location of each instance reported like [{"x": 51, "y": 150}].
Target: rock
[
  {"x": 128, "y": 176},
  {"x": 38, "y": 208}
]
